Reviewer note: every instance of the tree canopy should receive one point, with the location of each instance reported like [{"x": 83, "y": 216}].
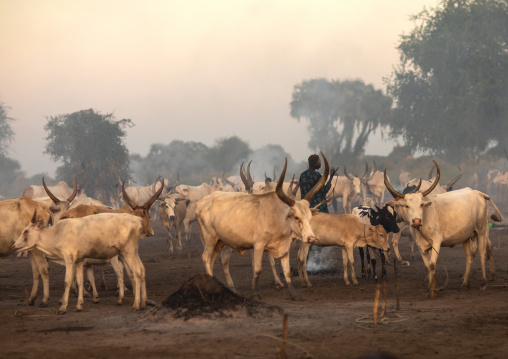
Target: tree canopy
[
  {"x": 342, "y": 115},
  {"x": 95, "y": 140},
  {"x": 451, "y": 86},
  {"x": 6, "y": 132}
]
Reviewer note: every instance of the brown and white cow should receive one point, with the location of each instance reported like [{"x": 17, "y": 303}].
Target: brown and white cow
[
  {"x": 265, "y": 223},
  {"x": 446, "y": 220}
]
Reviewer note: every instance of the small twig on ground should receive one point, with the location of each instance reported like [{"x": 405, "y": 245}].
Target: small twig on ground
[{"x": 376, "y": 303}]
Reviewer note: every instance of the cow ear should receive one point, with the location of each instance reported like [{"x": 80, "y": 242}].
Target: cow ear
[{"x": 426, "y": 203}]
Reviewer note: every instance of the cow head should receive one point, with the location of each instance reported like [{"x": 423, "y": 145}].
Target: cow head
[
  {"x": 169, "y": 204},
  {"x": 386, "y": 217},
  {"x": 30, "y": 235},
  {"x": 411, "y": 205},
  {"x": 356, "y": 181},
  {"x": 144, "y": 210},
  {"x": 376, "y": 236},
  {"x": 299, "y": 214},
  {"x": 59, "y": 206}
]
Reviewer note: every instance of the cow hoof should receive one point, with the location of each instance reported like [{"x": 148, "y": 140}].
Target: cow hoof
[
  {"x": 279, "y": 286},
  {"x": 483, "y": 287},
  {"x": 96, "y": 301},
  {"x": 61, "y": 312},
  {"x": 42, "y": 305},
  {"x": 406, "y": 264}
]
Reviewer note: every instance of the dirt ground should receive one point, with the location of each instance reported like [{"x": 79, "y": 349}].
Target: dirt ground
[{"x": 332, "y": 321}]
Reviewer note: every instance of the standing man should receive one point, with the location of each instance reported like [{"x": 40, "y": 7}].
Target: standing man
[{"x": 310, "y": 177}]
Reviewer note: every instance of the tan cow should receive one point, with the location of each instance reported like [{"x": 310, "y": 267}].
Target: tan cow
[
  {"x": 345, "y": 231},
  {"x": 16, "y": 214},
  {"x": 446, "y": 220},
  {"x": 172, "y": 212},
  {"x": 265, "y": 223},
  {"x": 102, "y": 236}
]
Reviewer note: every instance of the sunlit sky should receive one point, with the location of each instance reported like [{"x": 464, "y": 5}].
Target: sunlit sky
[{"x": 188, "y": 70}]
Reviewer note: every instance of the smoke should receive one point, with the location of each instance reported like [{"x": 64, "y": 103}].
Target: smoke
[{"x": 325, "y": 259}]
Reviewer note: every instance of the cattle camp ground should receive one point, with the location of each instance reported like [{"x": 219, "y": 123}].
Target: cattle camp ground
[{"x": 332, "y": 321}]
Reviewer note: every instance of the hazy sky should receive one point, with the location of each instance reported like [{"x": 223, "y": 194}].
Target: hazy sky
[{"x": 188, "y": 70}]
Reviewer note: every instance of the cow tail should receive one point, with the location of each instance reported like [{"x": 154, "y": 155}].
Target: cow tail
[{"x": 494, "y": 217}]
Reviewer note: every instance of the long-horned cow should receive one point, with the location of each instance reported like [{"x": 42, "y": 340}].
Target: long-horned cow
[
  {"x": 446, "y": 220},
  {"x": 265, "y": 223}
]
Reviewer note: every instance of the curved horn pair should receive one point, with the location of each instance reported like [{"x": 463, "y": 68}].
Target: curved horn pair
[
  {"x": 246, "y": 178},
  {"x": 147, "y": 204},
  {"x": 364, "y": 173},
  {"x": 398, "y": 195},
  {"x": 54, "y": 198}
]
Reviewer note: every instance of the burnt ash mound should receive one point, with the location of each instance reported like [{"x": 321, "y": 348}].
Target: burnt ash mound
[{"x": 204, "y": 296}]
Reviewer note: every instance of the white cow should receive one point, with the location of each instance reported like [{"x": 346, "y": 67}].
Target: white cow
[
  {"x": 346, "y": 187},
  {"x": 446, "y": 220},
  {"x": 172, "y": 212},
  {"x": 102, "y": 236},
  {"x": 266, "y": 222}
]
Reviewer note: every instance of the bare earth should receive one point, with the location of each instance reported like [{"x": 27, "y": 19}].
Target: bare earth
[{"x": 332, "y": 321}]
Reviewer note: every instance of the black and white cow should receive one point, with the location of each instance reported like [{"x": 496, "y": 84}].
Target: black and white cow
[{"x": 387, "y": 217}]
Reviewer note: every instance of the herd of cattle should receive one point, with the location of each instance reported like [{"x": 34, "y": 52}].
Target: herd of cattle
[{"x": 57, "y": 224}]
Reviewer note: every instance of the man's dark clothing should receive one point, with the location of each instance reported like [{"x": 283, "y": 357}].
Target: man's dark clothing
[{"x": 308, "y": 180}]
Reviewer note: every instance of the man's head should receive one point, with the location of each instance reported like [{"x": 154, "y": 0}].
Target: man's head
[{"x": 314, "y": 162}]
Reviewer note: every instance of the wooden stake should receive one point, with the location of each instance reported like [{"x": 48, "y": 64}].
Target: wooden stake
[
  {"x": 285, "y": 337},
  {"x": 376, "y": 303}
]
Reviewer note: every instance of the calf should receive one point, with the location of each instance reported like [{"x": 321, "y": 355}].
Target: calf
[
  {"x": 385, "y": 217},
  {"x": 345, "y": 231}
]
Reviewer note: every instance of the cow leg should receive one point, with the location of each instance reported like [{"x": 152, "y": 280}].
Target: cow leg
[
  {"x": 395, "y": 244},
  {"x": 135, "y": 270},
  {"x": 344, "y": 265},
  {"x": 79, "y": 281},
  {"x": 372, "y": 260},
  {"x": 186, "y": 229},
  {"x": 491, "y": 260},
  {"x": 257, "y": 262},
  {"x": 431, "y": 268},
  {"x": 103, "y": 280},
  {"x": 69, "y": 276},
  {"x": 178, "y": 234},
  {"x": 284, "y": 261},
  {"x": 302, "y": 264},
  {"x": 40, "y": 268},
  {"x": 369, "y": 263},
  {"x": 278, "y": 282},
  {"x": 169, "y": 245},
  {"x": 360, "y": 249},
  {"x": 483, "y": 238},
  {"x": 118, "y": 268},
  {"x": 382, "y": 254},
  {"x": 224, "y": 260},
  {"x": 351, "y": 259},
  {"x": 469, "y": 260},
  {"x": 91, "y": 278}
]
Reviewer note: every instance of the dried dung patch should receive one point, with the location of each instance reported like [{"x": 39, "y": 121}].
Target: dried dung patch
[{"x": 205, "y": 297}]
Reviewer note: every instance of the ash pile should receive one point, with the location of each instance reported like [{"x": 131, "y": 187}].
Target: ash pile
[{"x": 204, "y": 296}]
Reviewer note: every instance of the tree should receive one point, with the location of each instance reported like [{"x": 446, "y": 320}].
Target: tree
[
  {"x": 6, "y": 132},
  {"x": 341, "y": 115},
  {"x": 452, "y": 83},
  {"x": 227, "y": 153},
  {"x": 95, "y": 140}
]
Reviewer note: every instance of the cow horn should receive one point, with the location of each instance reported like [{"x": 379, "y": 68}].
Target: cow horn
[
  {"x": 452, "y": 182},
  {"x": 85, "y": 176},
  {"x": 249, "y": 177},
  {"x": 354, "y": 170},
  {"x": 430, "y": 173},
  {"x": 51, "y": 195},
  {"x": 156, "y": 195},
  {"x": 280, "y": 192},
  {"x": 317, "y": 187},
  {"x": 73, "y": 194},
  {"x": 347, "y": 175},
  {"x": 431, "y": 188},
  {"x": 374, "y": 169},
  {"x": 366, "y": 170},
  {"x": 417, "y": 188},
  {"x": 290, "y": 187},
  {"x": 394, "y": 193},
  {"x": 248, "y": 186},
  {"x": 127, "y": 199}
]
